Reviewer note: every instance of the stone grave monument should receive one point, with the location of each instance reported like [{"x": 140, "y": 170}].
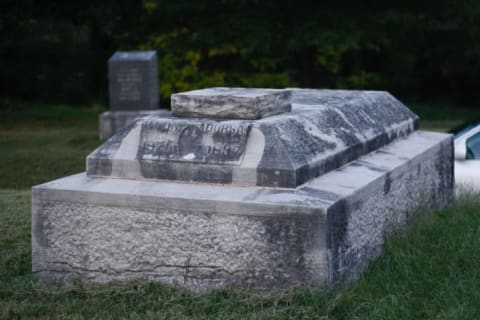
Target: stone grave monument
[
  {"x": 243, "y": 187},
  {"x": 132, "y": 88}
]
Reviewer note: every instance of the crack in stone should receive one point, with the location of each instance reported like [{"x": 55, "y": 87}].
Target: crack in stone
[{"x": 152, "y": 269}]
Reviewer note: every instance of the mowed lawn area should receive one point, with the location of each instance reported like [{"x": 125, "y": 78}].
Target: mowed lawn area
[{"x": 430, "y": 272}]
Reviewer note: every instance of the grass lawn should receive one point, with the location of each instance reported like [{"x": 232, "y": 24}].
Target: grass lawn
[
  {"x": 431, "y": 272},
  {"x": 441, "y": 117},
  {"x": 40, "y": 144}
]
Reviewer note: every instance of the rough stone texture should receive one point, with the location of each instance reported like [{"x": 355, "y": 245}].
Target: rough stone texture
[
  {"x": 359, "y": 221},
  {"x": 231, "y": 103},
  {"x": 208, "y": 236},
  {"x": 133, "y": 80},
  {"x": 324, "y": 130},
  {"x": 111, "y": 122}
]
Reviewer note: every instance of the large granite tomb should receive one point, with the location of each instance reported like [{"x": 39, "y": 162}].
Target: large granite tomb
[{"x": 300, "y": 195}]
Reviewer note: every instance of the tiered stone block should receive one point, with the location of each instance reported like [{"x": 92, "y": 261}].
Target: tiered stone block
[{"x": 301, "y": 195}]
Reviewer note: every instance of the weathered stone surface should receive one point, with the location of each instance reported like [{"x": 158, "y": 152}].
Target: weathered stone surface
[
  {"x": 231, "y": 103},
  {"x": 133, "y": 80},
  {"x": 324, "y": 130},
  {"x": 111, "y": 122},
  {"x": 193, "y": 141},
  {"x": 350, "y": 165},
  {"x": 208, "y": 236}
]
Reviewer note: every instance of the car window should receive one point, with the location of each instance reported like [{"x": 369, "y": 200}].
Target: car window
[
  {"x": 473, "y": 147},
  {"x": 464, "y": 128}
]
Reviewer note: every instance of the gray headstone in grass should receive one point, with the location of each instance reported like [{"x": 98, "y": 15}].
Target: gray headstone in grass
[
  {"x": 132, "y": 88},
  {"x": 133, "y": 80}
]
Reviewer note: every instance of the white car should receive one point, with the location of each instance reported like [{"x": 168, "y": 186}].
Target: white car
[{"x": 467, "y": 155}]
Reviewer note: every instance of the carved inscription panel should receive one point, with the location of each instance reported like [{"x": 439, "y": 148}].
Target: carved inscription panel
[
  {"x": 189, "y": 141},
  {"x": 129, "y": 82}
]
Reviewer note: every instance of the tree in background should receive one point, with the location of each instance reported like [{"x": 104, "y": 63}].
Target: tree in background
[
  {"x": 56, "y": 51},
  {"x": 415, "y": 49}
]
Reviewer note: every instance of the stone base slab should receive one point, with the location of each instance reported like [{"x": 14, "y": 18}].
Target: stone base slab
[
  {"x": 110, "y": 122},
  {"x": 204, "y": 236}
]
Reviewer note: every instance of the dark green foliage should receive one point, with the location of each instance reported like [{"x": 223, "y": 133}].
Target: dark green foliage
[{"x": 57, "y": 50}]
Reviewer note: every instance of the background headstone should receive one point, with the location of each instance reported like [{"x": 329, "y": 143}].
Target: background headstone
[
  {"x": 133, "y": 90},
  {"x": 133, "y": 80}
]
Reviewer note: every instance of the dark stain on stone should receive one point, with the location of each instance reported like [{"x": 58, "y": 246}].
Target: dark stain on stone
[
  {"x": 99, "y": 163},
  {"x": 337, "y": 222},
  {"x": 445, "y": 168},
  {"x": 384, "y": 152},
  {"x": 387, "y": 184},
  {"x": 368, "y": 165},
  {"x": 274, "y": 169},
  {"x": 290, "y": 236},
  {"x": 38, "y": 228},
  {"x": 99, "y": 167},
  {"x": 257, "y": 194},
  {"x": 321, "y": 194},
  {"x": 194, "y": 172}
]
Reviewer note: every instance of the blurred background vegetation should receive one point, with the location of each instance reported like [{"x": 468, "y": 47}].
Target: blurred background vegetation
[{"x": 56, "y": 51}]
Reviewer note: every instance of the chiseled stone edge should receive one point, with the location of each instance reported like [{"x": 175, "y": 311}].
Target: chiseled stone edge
[
  {"x": 225, "y": 106},
  {"x": 362, "y": 202}
]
